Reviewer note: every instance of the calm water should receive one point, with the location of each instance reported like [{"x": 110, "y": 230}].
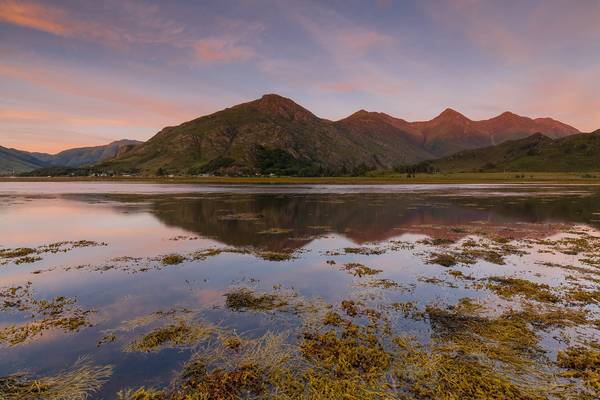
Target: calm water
[{"x": 308, "y": 223}]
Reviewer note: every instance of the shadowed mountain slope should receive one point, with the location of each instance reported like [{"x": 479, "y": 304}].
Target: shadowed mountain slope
[
  {"x": 14, "y": 161},
  {"x": 538, "y": 152},
  {"x": 18, "y": 161}
]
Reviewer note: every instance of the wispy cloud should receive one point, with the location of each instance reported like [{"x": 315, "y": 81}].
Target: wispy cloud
[
  {"x": 518, "y": 32},
  {"x": 220, "y": 49},
  {"x": 132, "y": 23},
  {"x": 352, "y": 58},
  {"x": 65, "y": 82},
  {"x": 34, "y": 16}
]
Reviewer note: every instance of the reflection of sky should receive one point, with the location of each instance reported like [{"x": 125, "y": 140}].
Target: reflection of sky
[{"x": 133, "y": 228}]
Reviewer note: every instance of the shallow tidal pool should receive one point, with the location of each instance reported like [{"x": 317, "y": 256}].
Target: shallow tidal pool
[{"x": 140, "y": 291}]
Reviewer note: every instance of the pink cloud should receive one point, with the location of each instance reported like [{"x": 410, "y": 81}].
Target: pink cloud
[
  {"x": 135, "y": 23},
  {"x": 8, "y": 115},
  {"x": 65, "y": 82},
  {"x": 365, "y": 84},
  {"x": 222, "y": 50},
  {"x": 360, "y": 39},
  {"x": 34, "y": 16}
]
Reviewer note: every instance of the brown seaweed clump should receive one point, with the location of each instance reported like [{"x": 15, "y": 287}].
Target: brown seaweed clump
[
  {"x": 172, "y": 259},
  {"x": 584, "y": 363},
  {"x": 178, "y": 334},
  {"x": 26, "y": 255},
  {"x": 75, "y": 383},
  {"x": 243, "y": 299},
  {"x": 509, "y": 287},
  {"x": 57, "y": 313},
  {"x": 360, "y": 270},
  {"x": 471, "y": 355}
]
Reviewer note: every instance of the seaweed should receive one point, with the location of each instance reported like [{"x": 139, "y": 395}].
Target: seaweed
[
  {"x": 443, "y": 259},
  {"x": 75, "y": 383},
  {"x": 179, "y": 334},
  {"x": 584, "y": 363},
  {"x": 508, "y": 287},
  {"x": 26, "y": 255},
  {"x": 366, "y": 251},
  {"x": 60, "y": 312},
  {"x": 360, "y": 270},
  {"x": 243, "y": 299}
]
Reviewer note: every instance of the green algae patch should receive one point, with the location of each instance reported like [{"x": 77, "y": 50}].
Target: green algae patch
[
  {"x": 509, "y": 287},
  {"x": 76, "y": 383}
]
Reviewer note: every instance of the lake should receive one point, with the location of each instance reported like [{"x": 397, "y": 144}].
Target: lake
[{"x": 249, "y": 291}]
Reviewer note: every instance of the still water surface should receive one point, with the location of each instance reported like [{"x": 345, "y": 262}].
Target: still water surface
[{"x": 278, "y": 235}]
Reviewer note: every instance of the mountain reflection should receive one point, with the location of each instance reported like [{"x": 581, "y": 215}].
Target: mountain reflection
[{"x": 291, "y": 221}]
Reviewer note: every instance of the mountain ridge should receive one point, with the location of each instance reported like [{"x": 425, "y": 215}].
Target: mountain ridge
[
  {"x": 273, "y": 134},
  {"x": 13, "y": 161}
]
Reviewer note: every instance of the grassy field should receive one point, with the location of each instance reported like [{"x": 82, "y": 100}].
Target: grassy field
[{"x": 492, "y": 177}]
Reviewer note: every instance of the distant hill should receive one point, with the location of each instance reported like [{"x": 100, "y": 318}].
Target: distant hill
[
  {"x": 14, "y": 161},
  {"x": 275, "y": 135},
  {"x": 536, "y": 153},
  {"x": 17, "y": 161}
]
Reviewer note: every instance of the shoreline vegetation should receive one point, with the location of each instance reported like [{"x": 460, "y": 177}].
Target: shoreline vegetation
[{"x": 371, "y": 179}]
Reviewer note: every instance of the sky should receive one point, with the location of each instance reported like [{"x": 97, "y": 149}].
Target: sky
[{"x": 82, "y": 73}]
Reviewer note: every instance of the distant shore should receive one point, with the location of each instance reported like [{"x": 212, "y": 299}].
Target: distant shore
[{"x": 496, "y": 177}]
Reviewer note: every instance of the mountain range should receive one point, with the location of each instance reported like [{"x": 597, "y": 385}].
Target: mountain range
[
  {"x": 14, "y": 161},
  {"x": 273, "y": 134}
]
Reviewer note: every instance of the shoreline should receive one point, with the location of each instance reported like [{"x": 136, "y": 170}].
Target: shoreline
[{"x": 511, "y": 178}]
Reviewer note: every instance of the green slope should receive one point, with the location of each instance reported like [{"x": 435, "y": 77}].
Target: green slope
[
  {"x": 16, "y": 161},
  {"x": 537, "y": 153}
]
